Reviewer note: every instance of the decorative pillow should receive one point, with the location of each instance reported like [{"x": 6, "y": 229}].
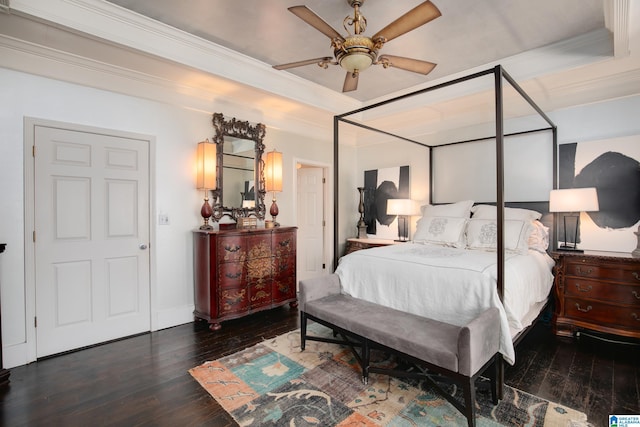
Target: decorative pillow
[
  {"x": 539, "y": 237},
  {"x": 460, "y": 209},
  {"x": 441, "y": 230},
  {"x": 483, "y": 234},
  {"x": 490, "y": 212}
]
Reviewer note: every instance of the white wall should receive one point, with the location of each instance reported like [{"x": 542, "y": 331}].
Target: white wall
[
  {"x": 176, "y": 131},
  {"x": 610, "y": 124},
  {"x": 603, "y": 121}
]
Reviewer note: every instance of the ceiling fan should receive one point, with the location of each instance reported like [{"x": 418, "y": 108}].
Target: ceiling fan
[{"x": 357, "y": 52}]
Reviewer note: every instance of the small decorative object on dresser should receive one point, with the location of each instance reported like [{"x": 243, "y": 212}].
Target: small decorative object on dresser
[
  {"x": 242, "y": 271},
  {"x": 597, "y": 291},
  {"x": 636, "y": 251}
]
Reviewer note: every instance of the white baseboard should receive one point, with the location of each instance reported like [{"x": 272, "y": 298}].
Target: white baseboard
[{"x": 173, "y": 316}]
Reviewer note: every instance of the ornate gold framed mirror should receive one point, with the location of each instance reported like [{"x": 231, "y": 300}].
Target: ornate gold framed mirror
[{"x": 240, "y": 184}]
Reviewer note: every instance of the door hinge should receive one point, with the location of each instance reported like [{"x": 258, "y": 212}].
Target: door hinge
[
  {"x": 33, "y": 151},
  {"x": 324, "y": 223},
  {"x": 34, "y": 236},
  {"x": 324, "y": 180},
  {"x": 35, "y": 322}
]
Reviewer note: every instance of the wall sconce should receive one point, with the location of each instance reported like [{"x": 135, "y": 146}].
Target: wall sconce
[
  {"x": 574, "y": 201},
  {"x": 273, "y": 180},
  {"x": 206, "y": 178},
  {"x": 403, "y": 208}
]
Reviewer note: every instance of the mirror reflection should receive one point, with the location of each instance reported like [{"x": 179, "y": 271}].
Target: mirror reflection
[{"x": 238, "y": 170}]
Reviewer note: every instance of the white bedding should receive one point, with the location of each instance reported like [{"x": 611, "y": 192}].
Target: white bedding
[{"x": 449, "y": 284}]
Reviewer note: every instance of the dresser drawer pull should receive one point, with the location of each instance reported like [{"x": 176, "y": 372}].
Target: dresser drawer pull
[
  {"x": 583, "y": 289},
  {"x": 636, "y": 294},
  {"x": 232, "y": 249},
  {"x": 635, "y": 316},
  {"x": 584, "y": 310},
  {"x": 636, "y": 275},
  {"x": 587, "y": 272}
]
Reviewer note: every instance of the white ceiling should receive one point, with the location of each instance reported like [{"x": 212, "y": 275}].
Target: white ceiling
[
  {"x": 469, "y": 33},
  {"x": 219, "y": 52}
]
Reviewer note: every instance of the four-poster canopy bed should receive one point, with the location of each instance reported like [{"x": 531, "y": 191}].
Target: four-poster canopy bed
[{"x": 400, "y": 277}]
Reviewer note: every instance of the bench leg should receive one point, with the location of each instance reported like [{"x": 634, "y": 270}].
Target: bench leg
[
  {"x": 470, "y": 401},
  {"x": 366, "y": 354},
  {"x": 303, "y": 330}
]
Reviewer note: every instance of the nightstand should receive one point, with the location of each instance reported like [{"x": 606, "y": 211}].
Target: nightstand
[
  {"x": 598, "y": 291},
  {"x": 355, "y": 244}
]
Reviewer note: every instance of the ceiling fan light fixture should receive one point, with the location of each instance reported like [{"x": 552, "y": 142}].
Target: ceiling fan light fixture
[{"x": 357, "y": 53}]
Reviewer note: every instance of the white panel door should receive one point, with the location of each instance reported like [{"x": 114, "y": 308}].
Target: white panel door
[
  {"x": 311, "y": 245},
  {"x": 92, "y": 234}
]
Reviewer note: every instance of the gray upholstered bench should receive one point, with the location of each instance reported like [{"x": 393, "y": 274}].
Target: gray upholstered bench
[{"x": 461, "y": 353}]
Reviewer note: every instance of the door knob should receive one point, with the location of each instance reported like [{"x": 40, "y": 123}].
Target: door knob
[{"x": 142, "y": 246}]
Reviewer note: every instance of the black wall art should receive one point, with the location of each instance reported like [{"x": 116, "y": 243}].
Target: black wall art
[
  {"x": 381, "y": 185},
  {"x": 613, "y": 168}
]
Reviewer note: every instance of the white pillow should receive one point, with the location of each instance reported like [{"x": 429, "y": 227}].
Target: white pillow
[
  {"x": 440, "y": 230},
  {"x": 490, "y": 212},
  {"x": 539, "y": 238},
  {"x": 483, "y": 234},
  {"x": 460, "y": 209}
]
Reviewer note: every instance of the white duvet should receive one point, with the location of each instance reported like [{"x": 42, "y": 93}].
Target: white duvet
[{"x": 449, "y": 284}]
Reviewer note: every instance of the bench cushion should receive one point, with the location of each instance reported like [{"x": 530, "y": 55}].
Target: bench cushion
[{"x": 420, "y": 337}]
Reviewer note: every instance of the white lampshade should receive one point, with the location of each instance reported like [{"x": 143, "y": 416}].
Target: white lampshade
[
  {"x": 206, "y": 167},
  {"x": 273, "y": 171},
  {"x": 402, "y": 207},
  {"x": 574, "y": 200}
]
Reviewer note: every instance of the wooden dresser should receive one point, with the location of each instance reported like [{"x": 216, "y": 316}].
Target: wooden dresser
[
  {"x": 238, "y": 272},
  {"x": 598, "y": 291},
  {"x": 355, "y": 244}
]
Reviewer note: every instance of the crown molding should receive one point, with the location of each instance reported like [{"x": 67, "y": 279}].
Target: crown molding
[
  {"x": 160, "y": 81},
  {"x": 110, "y": 22}
]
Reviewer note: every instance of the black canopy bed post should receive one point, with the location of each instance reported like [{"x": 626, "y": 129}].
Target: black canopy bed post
[
  {"x": 499, "y": 136},
  {"x": 336, "y": 192}
]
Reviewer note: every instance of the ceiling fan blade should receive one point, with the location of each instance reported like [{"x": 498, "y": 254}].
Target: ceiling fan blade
[
  {"x": 350, "y": 82},
  {"x": 409, "y": 64},
  {"x": 411, "y": 20},
  {"x": 310, "y": 17},
  {"x": 319, "y": 61}
]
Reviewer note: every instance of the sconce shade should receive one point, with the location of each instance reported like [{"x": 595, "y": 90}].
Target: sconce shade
[
  {"x": 402, "y": 207},
  {"x": 206, "y": 168},
  {"x": 273, "y": 171},
  {"x": 574, "y": 200}
]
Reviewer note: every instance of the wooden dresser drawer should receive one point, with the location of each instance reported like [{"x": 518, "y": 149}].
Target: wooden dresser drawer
[
  {"x": 233, "y": 301},
  {"x": 604, "y": 291},
  {"x": 231, "y": 274},
  {"x": 232, "y": 248},
  {"x": 601, "y": 313},
  {"x": 586, "y": 268}
]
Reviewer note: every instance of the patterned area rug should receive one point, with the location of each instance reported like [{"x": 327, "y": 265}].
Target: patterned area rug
[{"x": 274, "y": 383}]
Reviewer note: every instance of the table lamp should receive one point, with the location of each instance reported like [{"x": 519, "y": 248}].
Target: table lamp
[
  {"x": 206, "y": 178},
  {"x": 572, "y": 201},
  {"x": 403, "y": 208}
]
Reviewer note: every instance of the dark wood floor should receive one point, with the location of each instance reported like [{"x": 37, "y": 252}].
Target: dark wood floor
[{"x": 143, "y": 380}]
